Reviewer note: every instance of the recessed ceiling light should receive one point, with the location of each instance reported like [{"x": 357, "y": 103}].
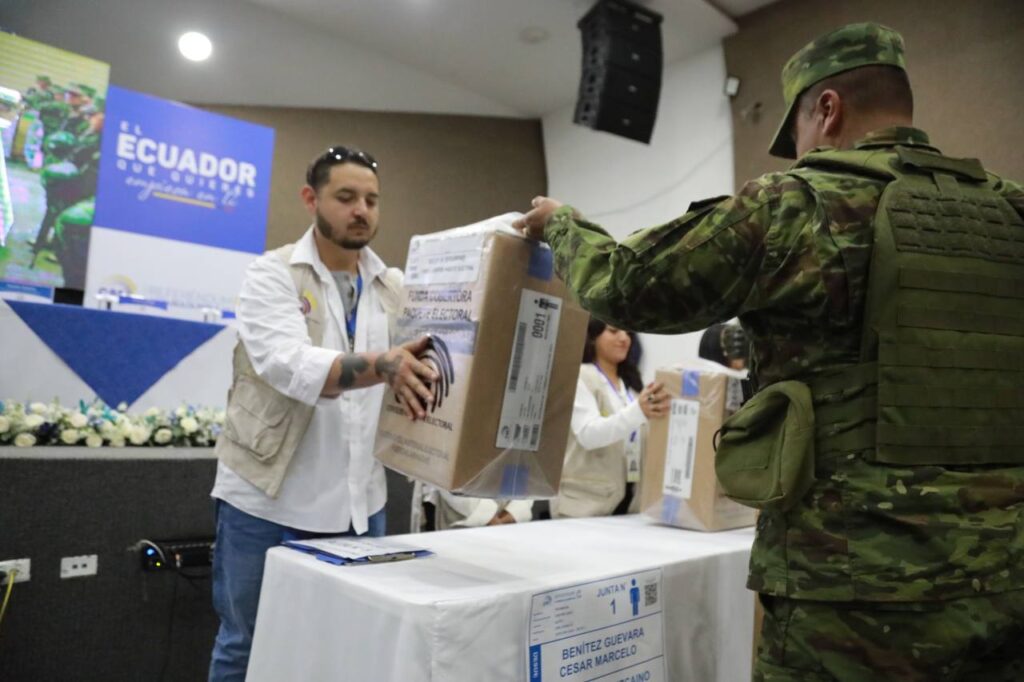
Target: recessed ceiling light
[{"x": 195, "y": 46}]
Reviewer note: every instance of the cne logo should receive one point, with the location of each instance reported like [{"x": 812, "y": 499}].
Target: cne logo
[
  {"x": 118, "y": 285},
  {"x": 439, "y": 359}
]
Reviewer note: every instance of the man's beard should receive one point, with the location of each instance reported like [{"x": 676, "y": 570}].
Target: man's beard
[{"x": 346, "y": 242}]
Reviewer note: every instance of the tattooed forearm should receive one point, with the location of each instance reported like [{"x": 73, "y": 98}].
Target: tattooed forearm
[
  {"x": 351, "y": 367},
  {"x": 387, "y": 365}
]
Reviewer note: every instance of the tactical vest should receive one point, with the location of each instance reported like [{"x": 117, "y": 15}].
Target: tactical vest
[
  {"x": 940, "y": 380},
  {"x": 916, "y": 490}
]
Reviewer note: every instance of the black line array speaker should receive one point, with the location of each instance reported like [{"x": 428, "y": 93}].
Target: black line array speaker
[{"x": 622, "y": 62}]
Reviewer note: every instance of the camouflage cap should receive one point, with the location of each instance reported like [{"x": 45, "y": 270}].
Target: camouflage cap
[{"x": 846, "y": 48}]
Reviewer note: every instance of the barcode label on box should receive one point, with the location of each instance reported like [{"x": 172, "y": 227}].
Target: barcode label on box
[
  {"x": 529, "y": 371},
  {"x": 517, "y": 357},
  {"x": 683, "y": 421},
  {"x": 733, "y": 395}
]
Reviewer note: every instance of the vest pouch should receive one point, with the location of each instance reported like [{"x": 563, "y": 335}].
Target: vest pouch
[
  {"x": 765, "y": 455},
  {"x": 256, "y": 418}
]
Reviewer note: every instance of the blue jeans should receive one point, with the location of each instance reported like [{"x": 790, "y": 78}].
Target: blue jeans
[{"x": 242, "y": 543}]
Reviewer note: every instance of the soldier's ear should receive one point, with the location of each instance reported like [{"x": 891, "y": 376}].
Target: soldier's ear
[{"x": 830, "y": 110}]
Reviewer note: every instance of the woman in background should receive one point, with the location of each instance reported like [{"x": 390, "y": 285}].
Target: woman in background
[
  {"x": 609, "y": 418},
  {"x": 436, "y": 509}
]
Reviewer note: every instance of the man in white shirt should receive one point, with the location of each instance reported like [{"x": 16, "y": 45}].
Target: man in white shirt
[{"x": 295, "y": 457}]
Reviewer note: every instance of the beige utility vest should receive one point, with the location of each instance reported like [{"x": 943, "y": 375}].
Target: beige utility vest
[
  {"x": 263, "y": 427},
  {"x": 594, "y": 481}
]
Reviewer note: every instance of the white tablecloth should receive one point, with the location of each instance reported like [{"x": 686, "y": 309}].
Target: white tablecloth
[{"x": 461, "y": 615}]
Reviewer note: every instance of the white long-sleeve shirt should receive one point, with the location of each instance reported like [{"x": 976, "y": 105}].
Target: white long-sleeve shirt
[
  {"x": 594, "y": 430},
  {"x": 333, "y": 480},
  {"x": 475, "y": 511}
]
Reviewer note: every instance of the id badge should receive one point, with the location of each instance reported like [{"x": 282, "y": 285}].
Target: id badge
[{"x": 633, "y": 458}]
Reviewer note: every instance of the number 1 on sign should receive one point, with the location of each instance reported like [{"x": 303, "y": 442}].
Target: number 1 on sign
[{"x": 613, "y": 607}]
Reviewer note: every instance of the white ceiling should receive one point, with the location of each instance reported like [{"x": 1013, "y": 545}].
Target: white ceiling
[
  {"x": 443, "y": 56},
  {"x": 476, "y": 44}
]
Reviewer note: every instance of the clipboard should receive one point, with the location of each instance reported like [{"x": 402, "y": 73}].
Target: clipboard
[{"x": 346, "y": 550}]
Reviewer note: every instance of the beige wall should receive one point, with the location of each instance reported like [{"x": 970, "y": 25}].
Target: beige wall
[
  {"x": 965, "y": 59},
  {"x": 436, "y": 171}
]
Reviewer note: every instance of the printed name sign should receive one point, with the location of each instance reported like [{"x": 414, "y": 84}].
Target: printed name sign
[{"x": 607, "y": 629}]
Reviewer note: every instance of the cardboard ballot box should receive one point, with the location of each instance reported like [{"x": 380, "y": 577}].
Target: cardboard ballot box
[
  {"x": 507, "y": 341},
  {"x": 679, "y": 486}
]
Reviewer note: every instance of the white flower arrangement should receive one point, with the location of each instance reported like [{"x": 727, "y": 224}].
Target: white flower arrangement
[{"x": 96, "y": 425}]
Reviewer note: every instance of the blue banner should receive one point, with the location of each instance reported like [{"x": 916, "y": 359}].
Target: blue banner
[{"x": 172, "y": 171}]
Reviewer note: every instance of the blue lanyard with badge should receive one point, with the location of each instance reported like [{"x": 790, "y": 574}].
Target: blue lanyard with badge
[
  {"x": 633, "y": 444},
  {"x": 350, "y": 315}
]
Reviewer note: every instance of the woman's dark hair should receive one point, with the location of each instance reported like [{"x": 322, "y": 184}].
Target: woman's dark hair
[
  {"x": 724, "y": 342},
  {"x": 629, "y": 369}
]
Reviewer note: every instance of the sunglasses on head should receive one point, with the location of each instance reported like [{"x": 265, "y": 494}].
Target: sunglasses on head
[{"x": 339, "y": 154}]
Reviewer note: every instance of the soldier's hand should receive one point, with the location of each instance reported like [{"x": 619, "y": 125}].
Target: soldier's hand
[
  {"x": 408, "y": 377},
  {"x": 532, "y": 224}
]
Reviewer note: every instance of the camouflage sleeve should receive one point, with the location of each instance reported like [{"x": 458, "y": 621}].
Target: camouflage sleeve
[{"x": 699, "y": 269}]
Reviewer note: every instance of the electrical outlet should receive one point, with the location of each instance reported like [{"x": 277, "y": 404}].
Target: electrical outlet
[
  {"x": 78, "y": 566},
  {"x": 23, "y": 566}
]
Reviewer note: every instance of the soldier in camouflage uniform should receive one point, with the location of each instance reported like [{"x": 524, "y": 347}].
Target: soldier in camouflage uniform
[
  {"x": 39, "y": 93},
  {"x": 901, "y": 556},
  {"x": 53, "y": 114},
  {"x": 80, "y": 99}
]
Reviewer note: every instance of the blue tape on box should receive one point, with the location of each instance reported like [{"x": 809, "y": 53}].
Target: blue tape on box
[
  {"x": 542, "y": 262},
  {"x": 514, "y": 479},
  {"x": 670, "y": 508},
  {"x": 691, "y": 383}
]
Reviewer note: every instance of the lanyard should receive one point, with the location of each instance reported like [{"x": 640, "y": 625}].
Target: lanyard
[
  {"x": 629, "y": 396},
  {"x": 350, "y": 316}
]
